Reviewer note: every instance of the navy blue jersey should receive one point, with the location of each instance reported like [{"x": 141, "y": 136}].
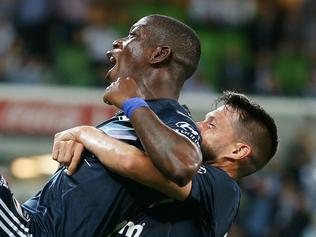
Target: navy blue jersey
[
  {"x": 217, "y": 197},
  {"x": 93, "y": 200},
  {"x": 209, "y": 211}
]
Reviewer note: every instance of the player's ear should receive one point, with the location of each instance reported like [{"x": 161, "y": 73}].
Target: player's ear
[
  {"x": 240, "y": 151},
  {"x": 160, "y": 54}
]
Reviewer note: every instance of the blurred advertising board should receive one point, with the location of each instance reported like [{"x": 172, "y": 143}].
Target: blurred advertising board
[{"x": 46, "y": 117}]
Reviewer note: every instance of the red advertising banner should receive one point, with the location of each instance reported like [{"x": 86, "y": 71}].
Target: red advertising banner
[{"x": 46, "y": 118}]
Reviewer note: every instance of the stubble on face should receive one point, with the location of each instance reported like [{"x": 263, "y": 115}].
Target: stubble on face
[{"x": 218, "y": 138}]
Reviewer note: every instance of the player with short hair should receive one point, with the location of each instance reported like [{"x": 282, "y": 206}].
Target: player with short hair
[{"x": 92, "y": 201}]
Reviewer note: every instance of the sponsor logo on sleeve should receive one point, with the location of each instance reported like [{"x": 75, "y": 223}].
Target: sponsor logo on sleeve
[{"x": 187, "y": 130}]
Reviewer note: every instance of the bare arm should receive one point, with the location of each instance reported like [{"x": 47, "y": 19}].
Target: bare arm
[
  {"x": 174, "y": 155},
  {"x": 120, "y": 157}
]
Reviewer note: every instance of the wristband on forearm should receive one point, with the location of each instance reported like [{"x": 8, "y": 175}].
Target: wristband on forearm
[{"x": 132, "y": 104}]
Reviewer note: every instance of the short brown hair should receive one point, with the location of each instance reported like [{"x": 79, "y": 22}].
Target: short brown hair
[{"x": 255, "y": 127}]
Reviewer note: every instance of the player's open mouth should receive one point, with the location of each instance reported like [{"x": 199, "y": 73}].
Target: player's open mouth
[
  {"x": 111, "y": 58},
  {"x": 113, "y": 62}
]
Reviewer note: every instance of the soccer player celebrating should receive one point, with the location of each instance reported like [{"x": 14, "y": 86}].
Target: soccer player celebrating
[{"x": 160, "y": 53}]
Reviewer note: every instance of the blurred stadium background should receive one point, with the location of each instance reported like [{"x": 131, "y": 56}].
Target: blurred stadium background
[{"x": 52, "y": 64}]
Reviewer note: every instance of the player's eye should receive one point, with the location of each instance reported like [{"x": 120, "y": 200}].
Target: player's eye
[
  {"x": 132, "y": 34},
  {"x": 211, "y": 125}
]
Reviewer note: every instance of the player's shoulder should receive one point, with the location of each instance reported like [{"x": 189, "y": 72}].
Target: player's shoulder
[
  {"x": 177, "y": 117},
  {"x": 166, "y": 106},
  {"x": 213, "y": 188},
  {"x": 217, "y": 177}
]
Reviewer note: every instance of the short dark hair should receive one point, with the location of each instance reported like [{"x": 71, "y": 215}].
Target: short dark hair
[
  {"x": 257, "y": 128},
  {"x": 183, "y": 40}
]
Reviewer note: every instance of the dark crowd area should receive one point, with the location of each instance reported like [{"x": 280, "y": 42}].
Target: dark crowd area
[
  {"x": 254, "y": 46},
  {"x": 280, "y": 200}
]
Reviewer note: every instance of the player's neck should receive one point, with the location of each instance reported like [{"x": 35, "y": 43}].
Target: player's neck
[{"x": 160, "y": 85}]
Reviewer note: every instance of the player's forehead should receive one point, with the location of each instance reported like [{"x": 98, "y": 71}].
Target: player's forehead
[
  {"x": 223, "y": 112},
  {"x": 218, "y": 112},
  {"x": 142, "y": 23}
]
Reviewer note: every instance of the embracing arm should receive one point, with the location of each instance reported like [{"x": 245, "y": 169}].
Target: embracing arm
[{"x": 119, "y": 157}]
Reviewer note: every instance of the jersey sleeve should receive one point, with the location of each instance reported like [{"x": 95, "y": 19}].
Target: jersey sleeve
[
  {"x": 170, "y": 112},
  {"x": 216, "y": 196},
  {"x": 183, "y": 124},
  {"x": 176, "y": 117}
]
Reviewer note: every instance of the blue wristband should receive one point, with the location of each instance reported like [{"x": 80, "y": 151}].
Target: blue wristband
[{"x": 133, "y": 103}]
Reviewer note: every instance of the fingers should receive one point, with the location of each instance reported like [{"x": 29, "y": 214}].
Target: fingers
[
  {"x": 108, "y": 94},
  {"x": 68, "y": 134},
  {"x": 60, "y": 148},
  {"x": 68, "y": 153},
  {"x": 121, "y": 90},
  {"x": 75, "y": 158},
  {"x": 62, "y": 151},
  {"x": 60, "y": 136},
  {"x": 55, "y": 151}
]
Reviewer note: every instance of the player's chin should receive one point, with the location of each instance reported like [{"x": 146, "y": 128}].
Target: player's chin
[
  {"x": 105, "y": 100},
  {"x": 111, "y": 75}
]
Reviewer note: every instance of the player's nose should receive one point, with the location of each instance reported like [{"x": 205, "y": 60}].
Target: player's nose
[{"x": 117, "y": 43}]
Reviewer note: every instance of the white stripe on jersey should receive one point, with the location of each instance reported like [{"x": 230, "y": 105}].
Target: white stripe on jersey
[
  {"x": 179, "y": 112},
  {"x": 11, "y": 224},
  {"x": 9, "y": 233},
  {"x": 123, "y": 136},
  {"x": 14, "y": 218},
  {"x": 120, "y": 132}
]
